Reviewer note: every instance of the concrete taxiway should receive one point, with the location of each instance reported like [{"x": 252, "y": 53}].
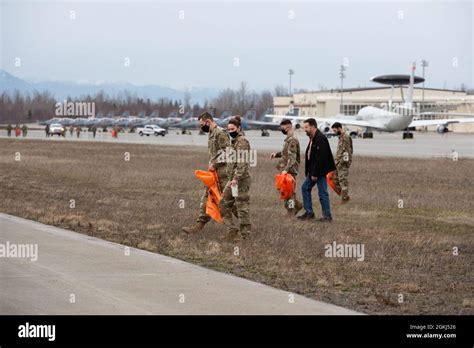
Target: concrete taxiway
[
  {"x": 78, "y": 274},
  {"x": 424, "y": 145}
]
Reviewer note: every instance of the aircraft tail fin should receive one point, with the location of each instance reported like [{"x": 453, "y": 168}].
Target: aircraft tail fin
[{"x": 409, "y": 99}]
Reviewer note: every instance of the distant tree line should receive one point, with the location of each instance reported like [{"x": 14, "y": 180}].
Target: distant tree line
[
  {"x": 241, "y": 100},
  {"x": 19, "y": 108},
  {"x": 16, "y": 107},
  {"x": 25, "y": 108},
  {"x": 31, "y": 107}
]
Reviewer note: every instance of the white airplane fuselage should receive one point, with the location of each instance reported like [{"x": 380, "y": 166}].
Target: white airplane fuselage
[{"x": 384, "y": 120}]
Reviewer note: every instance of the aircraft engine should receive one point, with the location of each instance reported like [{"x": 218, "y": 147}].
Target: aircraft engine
[
  {"x": 324, "y": 127},
  {"x": 442, "y": 129}
]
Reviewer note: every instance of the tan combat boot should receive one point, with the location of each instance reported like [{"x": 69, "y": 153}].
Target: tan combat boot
[
  {"x": 233, "y": 235},
  {"x": 291, "y": 212},
  {"x": 298, "y": 206},
  {"x": 245, "y": 231},
  {"x": 345, "y": 200},
  {"x": 194, "y": 228}
]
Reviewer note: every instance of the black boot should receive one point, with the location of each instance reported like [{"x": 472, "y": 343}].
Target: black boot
[{"x": 306, "y": 216}]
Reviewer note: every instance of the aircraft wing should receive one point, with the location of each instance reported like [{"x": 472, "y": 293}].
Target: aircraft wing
[
  {"x": 287, "y": 117},
  {"x": 343, "y": 119},
  {"x": 253, "y": 124},
  {"x": 445, "y": 114},
  {"x": 443, "y": 122},
  {"x": 348, "y": 121}
]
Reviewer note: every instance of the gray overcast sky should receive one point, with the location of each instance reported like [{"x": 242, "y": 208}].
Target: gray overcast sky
[{"x": 199, "y": 50}]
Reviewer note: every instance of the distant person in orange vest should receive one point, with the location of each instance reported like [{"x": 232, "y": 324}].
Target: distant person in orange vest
[
  {"x": 17, "y": 130},
  {"x": 24, "y": 130},
  {"x": 9, "y": 130}
]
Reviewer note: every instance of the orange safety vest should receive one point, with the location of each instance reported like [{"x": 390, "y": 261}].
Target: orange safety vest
[
  {"x": 330, "y": 180},
  {"x": 214, "y": 194},
  {"x": 285, "y": 183}
]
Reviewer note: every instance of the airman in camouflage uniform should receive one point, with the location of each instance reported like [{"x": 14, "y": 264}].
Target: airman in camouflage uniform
[
  {"x": 289, "y": 162},
  {"x": 218, "y": 141},
  {"x": 238, "y": 170},
  {"x": 343, "y": 161},
  {"x": 24, "y": 130},
  {"x": 9, "y": 130}
]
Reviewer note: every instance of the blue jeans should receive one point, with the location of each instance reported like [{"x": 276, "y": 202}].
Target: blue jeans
[{"x": 308, "y": 185}]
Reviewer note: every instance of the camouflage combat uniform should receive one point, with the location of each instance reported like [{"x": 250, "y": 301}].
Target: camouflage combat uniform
[
  {"x": 218, "y": 141},
  {"x": 239, "y": 170},
  {"x": 289, "y": 161},
  {"x": 343, "y": 161}
]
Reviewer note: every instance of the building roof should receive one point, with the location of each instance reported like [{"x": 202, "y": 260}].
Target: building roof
[{"x": 360, "y": 89}]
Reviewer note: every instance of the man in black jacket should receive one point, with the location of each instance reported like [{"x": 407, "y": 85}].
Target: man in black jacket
[{"x": 318, "y": 163}]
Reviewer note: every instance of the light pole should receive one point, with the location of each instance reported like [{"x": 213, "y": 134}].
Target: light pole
[
  {"x": 424, "y": 64},
  {"x": 342, "y": 76},
  {"x": 290, "y": 73}
]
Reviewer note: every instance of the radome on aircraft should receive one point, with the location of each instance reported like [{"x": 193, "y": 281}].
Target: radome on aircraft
[{"x": 392, "y": 118}]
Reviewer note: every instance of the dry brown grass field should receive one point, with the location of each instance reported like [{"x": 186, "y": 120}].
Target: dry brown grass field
[{"x": 409, "y": 251}]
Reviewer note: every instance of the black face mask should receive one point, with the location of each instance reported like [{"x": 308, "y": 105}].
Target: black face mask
[
  {"x": 233, "y": 134},
  {"x": 284, "y": 131},
  {"x": 205, "y": 128}
]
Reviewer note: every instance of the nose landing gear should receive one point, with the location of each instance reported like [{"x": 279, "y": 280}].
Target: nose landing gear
[
  {"x": 407, "y": 134},
  {"x": 367, "y": 135}
]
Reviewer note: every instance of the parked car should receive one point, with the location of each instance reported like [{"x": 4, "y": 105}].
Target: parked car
[
  {"x": 151, "y": 129},
  {"x": 56, "y": 128}
]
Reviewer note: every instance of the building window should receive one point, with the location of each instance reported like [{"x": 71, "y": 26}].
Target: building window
[
  {"x": 293, "y": 112},
  {"x": 351, "y": 109}
]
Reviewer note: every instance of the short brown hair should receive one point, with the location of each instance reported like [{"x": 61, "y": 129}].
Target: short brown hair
[
  {"x": 311, "y": 122},
  {"x": 205, "y": 116},
  {"x": 285, "y": 122}
]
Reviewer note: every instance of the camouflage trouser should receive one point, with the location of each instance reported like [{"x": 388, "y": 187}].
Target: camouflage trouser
[
  {"x": 222, "y": 176},
  {"x": 241, "y": 203},
  {"x": 290, "y": 203},
  {"x": 341, "y": 180}
]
